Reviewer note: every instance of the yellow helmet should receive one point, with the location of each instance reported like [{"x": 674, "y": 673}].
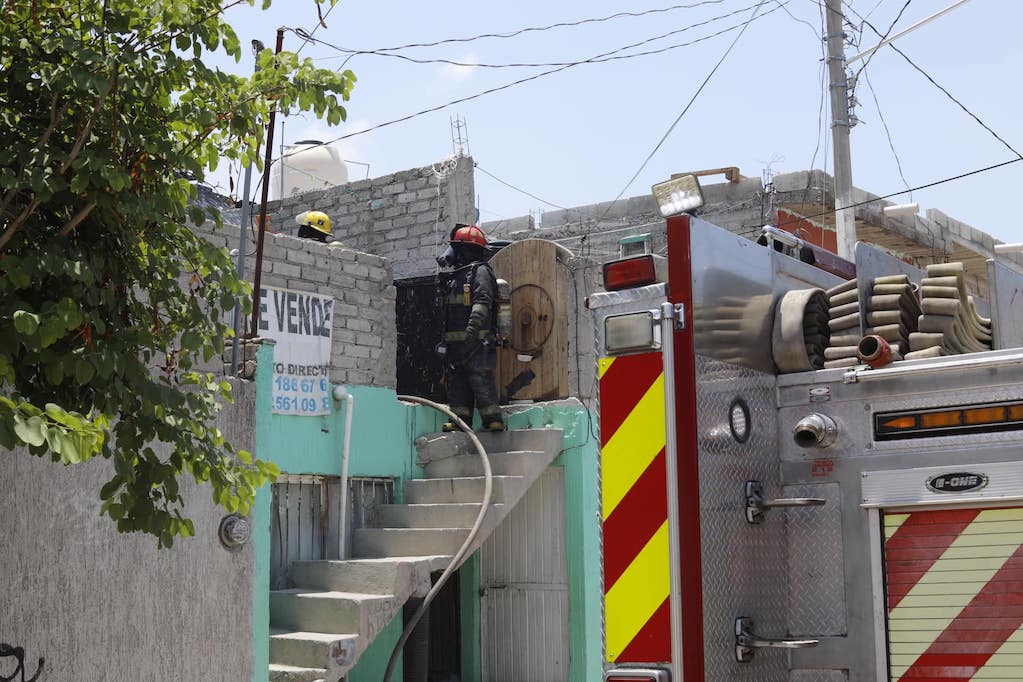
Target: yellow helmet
[{"x": 318, "y": 220}]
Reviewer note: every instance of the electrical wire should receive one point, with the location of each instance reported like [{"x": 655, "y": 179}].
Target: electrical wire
[
  {"x": 322, "y": 22},
  {"x": 937, "y": 85},
  {"x": 692, "y": 99},
  {"x": 519, "y": 189},
  {"x": 887, "y": 132},
  {"x": 535, "y": 29},
  {"x": 883, "y": 38},
  {"x": 742, "y": 26},
  {"x": 613, "y": 55},
  {"x": 912, "y": 189},
  {"x": 820, "y": 106}
]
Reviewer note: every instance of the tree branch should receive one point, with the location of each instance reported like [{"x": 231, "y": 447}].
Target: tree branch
[{"x": 82, "y": 214}]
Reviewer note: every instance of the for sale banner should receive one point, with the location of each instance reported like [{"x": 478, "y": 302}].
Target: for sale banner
[{"x": 301, "y": 324}]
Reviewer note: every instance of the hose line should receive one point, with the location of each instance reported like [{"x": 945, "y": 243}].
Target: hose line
[{"x": 456, "y": 560}]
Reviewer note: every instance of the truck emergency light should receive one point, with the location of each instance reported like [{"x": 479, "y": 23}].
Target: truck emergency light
[
  {"x": 681, "y": 194},
  {"x": 949, "y": 422},
  {"x": 635, "y": 271}
]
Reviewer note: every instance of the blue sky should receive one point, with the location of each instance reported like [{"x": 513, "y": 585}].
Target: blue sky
[{"x": 578, "y": 136}]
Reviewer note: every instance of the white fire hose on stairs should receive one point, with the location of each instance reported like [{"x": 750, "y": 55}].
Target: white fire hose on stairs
[{"x": 456, "y": 560}]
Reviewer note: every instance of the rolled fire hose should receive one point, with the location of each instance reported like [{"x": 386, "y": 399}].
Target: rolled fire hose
[{"x": 456, "y": 560}]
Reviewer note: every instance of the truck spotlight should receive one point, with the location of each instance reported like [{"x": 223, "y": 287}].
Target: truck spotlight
[
  {"x": 681, "y": 194},
  {"x": 631, "y": 333}
]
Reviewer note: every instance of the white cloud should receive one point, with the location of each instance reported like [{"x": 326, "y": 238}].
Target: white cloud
[{"x": 453, "y": 74}]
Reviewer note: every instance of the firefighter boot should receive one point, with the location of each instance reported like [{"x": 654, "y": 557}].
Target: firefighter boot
[{"x": 450, "y": 425}]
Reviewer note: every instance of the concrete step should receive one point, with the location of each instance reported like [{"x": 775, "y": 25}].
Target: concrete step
[
  {"x": 314, "y": 611},
  {"x": 312, "y": 649},
  {"x": 517, "y": 463},
  {"x": 290, "y": 673},
  {"x": 461, "y": 515},
  {"x": 395, "y": 542},
  {"x": 436, "y": 446},
  {"x": 449, "y": 490},
  {"x": 384, "y": 576}
]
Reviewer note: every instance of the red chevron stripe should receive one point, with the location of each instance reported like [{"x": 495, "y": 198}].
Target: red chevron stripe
[
  {"x": 623, "y": 385},
  {"x": 634, "y": 521},
  {"x": 652, "y": 644},
  {"x": 937, "y": 530},
  {"x": 959, "y": 652}
]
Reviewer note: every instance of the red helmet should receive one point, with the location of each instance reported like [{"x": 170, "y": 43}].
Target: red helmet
[{"x": 468, "y": 234}]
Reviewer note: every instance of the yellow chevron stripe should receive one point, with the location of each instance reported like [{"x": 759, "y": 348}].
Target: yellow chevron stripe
[
  {"x": 920, "y": 617},
  {"x": 637, "y": 594},
  {"x": 603, "y": 364},
  {"x": 633, "y": 446},
  {"x": 892, "y": 523},
  {"x": 1007, "y": 662}
]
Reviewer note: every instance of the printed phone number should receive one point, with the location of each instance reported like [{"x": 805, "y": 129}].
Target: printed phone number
[
  {"x": 294, "y": 384},
  {"x": 284, "y": 403}
]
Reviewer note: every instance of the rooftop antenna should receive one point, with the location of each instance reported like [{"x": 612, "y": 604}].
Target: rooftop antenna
[{"x": 459, "y": 137}]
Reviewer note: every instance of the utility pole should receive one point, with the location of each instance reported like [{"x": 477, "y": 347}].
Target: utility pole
[{"x": 845, "y": 219}]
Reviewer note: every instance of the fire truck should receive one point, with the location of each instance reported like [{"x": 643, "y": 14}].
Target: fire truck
[{"x": 828, "y": 525}]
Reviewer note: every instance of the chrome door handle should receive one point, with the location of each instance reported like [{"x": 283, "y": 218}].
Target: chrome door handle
[
  {"x": 756, "y": 505},
  {"x": 746, "y": 641}
]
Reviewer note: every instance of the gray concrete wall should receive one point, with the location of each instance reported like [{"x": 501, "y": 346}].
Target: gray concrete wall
[
  {"x": 364, "y": 332},
  {"x": 404, "y": 216},
  {"x": 98, "y": 605}
]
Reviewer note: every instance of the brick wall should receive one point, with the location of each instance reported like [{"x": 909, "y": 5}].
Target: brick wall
[
  {"x": 363, "y": 347},
  {"x": 404, "y": 216}
]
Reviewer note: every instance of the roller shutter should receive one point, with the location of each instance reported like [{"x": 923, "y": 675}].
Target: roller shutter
[{"x": 954, "y": 593}]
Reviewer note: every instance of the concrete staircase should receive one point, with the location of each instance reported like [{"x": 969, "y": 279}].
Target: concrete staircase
[{"x": 320, "y": 627}]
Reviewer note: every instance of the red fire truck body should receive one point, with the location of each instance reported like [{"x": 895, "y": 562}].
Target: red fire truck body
[{"x": 835, "y": 525}]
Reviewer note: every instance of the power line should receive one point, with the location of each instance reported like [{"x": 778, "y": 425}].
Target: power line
[
  {"x": 519, "y": 189},
  {"x": 820, "y": 106},
  {"x": 613, "y": 55},
  {"x": 887, "y": 132},
  {"x": 883, "y": 38},
  {"x": 911, "y": 189},
  {"x": 689, "y": 104},
  {"x": 939, "y": 86},
  {"x": 321, "y": 23},
  {"x": 534, "y": 29},
  {"x": 520, "y": 81}
]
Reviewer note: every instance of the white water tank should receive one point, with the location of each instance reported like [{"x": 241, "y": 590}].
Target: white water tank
[{"x": 307, "y": 166}]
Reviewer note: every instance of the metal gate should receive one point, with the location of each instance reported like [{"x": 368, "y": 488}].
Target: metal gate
[
  {"x": 954, "y": 593},
  {"x": 524, "y": 589},
  {"x": 305, "y": 517}
]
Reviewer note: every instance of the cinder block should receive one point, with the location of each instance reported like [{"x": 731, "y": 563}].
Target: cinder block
[
  {"x": 287, "y": 269},
  {"x": 379, "y": 274},
  {"x": 357, "y": 324},
  {"x": 430, "y": 193},
  {"x": 421, "y": 207},
  {"x": 301, "y": 257},
  {"x": 394, "y": 188},
  {"x": 381, "y": 225},
  {"x": 404, "y": 221},
  {"x": 312, "y": 273},
  {"x": 359, "y": 298},
  {"x": 356, "y": 269},
  {"x": 406, "y": 197},
  {"x": 357, "y": 352},
  {"x": 369, "y": 340},
  {"x": 344, "y": 310},
  {"x": 415, "y": 183}
]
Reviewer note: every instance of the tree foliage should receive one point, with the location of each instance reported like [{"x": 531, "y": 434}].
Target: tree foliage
[{"x": 109, "y": 303}]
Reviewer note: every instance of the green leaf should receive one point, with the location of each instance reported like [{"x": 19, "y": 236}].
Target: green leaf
[
  {"x": 84, "y": 371},
  {"x": 25, "y": 322},
  {"x": 31, "y": 431}
]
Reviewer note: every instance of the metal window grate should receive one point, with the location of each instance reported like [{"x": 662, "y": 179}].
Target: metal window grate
[{"x": 366, "y": 494}]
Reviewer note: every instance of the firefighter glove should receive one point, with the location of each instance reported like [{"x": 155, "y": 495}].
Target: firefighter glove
[{"x": 472, "y": 330}]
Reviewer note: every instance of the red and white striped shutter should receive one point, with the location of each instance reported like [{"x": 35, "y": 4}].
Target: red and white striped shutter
[{"x": 954, "y": 592}]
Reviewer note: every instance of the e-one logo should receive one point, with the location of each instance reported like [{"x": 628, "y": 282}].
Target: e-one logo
[{"x": 957, "y": 482}]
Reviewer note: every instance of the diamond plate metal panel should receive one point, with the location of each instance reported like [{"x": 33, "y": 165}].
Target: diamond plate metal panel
[
  {"x": 744, "y": 566},
  {"x": 819, "y": 676},
  {"x": 816, "y": 563}
]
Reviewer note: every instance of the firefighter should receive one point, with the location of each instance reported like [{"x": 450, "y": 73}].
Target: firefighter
[
  {"x": 313, "y": 225},
  {"x": 469, "y": 347}
]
